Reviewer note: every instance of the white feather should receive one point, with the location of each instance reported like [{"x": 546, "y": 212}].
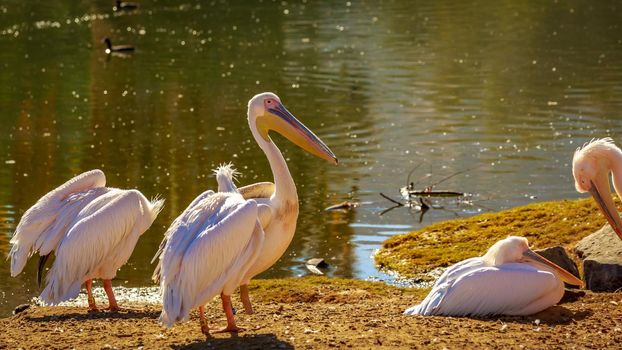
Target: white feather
[
  {"x": 42, "y": 226},
  {"x": 92, "y": 230},
  {"x": 208, "y": 250},
  {"x": 475, "y": 287}
]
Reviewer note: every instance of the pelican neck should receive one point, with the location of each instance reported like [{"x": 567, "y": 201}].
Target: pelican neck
[{"x": 285, "y": 188}]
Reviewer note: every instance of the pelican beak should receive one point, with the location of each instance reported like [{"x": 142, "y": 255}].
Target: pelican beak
[
  {"x": 566, "y": 276},
  {"x": 606, "y": 205},
  {"x": 279, "y": 119}
]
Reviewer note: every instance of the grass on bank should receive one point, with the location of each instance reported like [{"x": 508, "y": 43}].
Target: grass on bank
[{"x": 543, "y": 224}]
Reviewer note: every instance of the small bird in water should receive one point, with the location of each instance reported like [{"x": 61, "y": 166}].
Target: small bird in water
[
  {"x": 125, "y": 6},
  {"x": 510, "y": 279},
  {"x": 117, "y": 48}
]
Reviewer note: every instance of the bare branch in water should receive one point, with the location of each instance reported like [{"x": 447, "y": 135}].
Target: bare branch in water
[
  {"x": 455, "y": 174},
  {"x": 392, "y": 200},
  {"x": 411, "y": 172}
]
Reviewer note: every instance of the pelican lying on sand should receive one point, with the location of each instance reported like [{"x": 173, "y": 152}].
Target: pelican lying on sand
[
  {"x": 224, "y": 239},
  {"x": 510, "y": 279},
  {"x": 591, "y": 166},
  {"x": 92, "y": 230}
]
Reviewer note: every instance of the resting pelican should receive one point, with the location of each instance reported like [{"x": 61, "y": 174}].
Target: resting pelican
[
  {"x": 510, "y": 279},
  {"x": 224, "y": 239},
  {"x": 591, "y": 166},
  {"x": 92, "y": 230}
]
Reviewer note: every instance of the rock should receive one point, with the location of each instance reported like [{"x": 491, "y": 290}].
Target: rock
[
  {"x": 571, "y": 295},
  {"x": 20, "y": 308},
  {"x": 314, "y": 269},
  {"x": 601, "y": 253},
  {"x": 318, "y": 262},
  {"x": 315, "y": 264},
  {"x": 559, "y": 256}
]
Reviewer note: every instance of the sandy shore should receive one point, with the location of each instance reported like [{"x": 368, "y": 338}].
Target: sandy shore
[{"x": 311, "y": 313}]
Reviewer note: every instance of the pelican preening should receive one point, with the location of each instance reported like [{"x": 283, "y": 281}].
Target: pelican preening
[
  {"x": 510, "y": 279},
  {"x": 591, "y": 166},
  {"x": 224, "y": 239},
  {"x": 92, "y": 230}
]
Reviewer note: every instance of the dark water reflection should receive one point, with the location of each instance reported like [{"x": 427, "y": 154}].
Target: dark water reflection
[{"x": 510, "y": 89}]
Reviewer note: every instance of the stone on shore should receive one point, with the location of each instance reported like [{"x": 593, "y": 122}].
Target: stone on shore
[
  {"x": 601, "y": 253},
  {"x": 559, "y": 256}
]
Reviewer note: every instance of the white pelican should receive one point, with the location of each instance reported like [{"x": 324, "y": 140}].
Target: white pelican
[
  {"x": 224, "y": 239},
  {"x": 92, "y": 230},
  {"x": 510, "y": 279},
  {"x": 591, "y": 165},
  {"x": 265, "y": 113}
]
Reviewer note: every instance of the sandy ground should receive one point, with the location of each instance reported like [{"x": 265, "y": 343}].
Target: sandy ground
[{"x": 324, "y": 317}]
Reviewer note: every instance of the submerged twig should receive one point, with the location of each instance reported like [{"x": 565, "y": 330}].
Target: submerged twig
[
  {"x": 437, "y": 193},
  {"x": 392, "y": 200},
  {"x": 342, "y": 206}
]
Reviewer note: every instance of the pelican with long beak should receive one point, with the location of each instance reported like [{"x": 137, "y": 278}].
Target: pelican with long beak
[
  {"x": 225, "y": 238},
  {"x": 510, "y": 279},
  {"x": 591, "y": 166}
]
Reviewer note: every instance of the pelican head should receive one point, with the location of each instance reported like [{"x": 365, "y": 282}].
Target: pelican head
[
  {"x": 266, "y": 112},
  {"x": 591, "y": 165},
  {"x": 516, "y": 250}
]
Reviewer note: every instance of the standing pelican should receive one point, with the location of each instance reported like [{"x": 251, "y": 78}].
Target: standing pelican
[
  {"x": 207, "y": 250},
  {"x": 510, "y": 279},
  {"x": 92, "y": 230},
  {"x": 224, "y": 239},
  {"x": 591, "y": 166},
  {"x": 265, "y": 113}
]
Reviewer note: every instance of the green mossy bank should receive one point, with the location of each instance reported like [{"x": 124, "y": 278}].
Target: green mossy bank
[{"x": 545, "y": 224}]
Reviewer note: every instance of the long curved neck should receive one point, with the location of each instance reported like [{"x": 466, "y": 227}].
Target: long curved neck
[
  {"x": 285, "y": 188},
  {"x": 615, "y": 159}
]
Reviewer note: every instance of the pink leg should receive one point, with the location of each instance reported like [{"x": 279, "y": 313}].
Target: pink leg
[
  {"x": 112, "y": 302},
  {"x": 91, "y": 299},
  {"x": 246, "y": 300},
  {"x": 227, "y": 307},
  {"x": 204, "y": 326}
]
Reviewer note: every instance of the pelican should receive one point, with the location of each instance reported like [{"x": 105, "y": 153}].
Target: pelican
[
  {"x": 510, "y": 279},
  {"x": 265, "y": 113},
  {"x": 591, "y": 165},
  {"x": 224, "y": 239},
  {"x": 92, "y": 230}
]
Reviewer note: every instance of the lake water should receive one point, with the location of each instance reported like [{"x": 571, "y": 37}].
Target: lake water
[{"x": 507, "y": 90}]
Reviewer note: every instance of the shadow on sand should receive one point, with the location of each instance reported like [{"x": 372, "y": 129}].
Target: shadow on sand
[
  {"x": 83, "y": 316},
  {"x": 251, "y": 341},
  {"x": 555, "y": 315}
]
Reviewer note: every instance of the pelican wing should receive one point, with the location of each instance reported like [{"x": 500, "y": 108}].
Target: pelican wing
[
  {"x": 258, "y": 190},
  {"x": 443, "y": 285},
  {"x": 178, "y": 228},
  {"x": 104, "y": 235},
  {"x": 207, "y": 253},
  {"x": 44, "y": 224},
  {"x": 471, "y": 290}
]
